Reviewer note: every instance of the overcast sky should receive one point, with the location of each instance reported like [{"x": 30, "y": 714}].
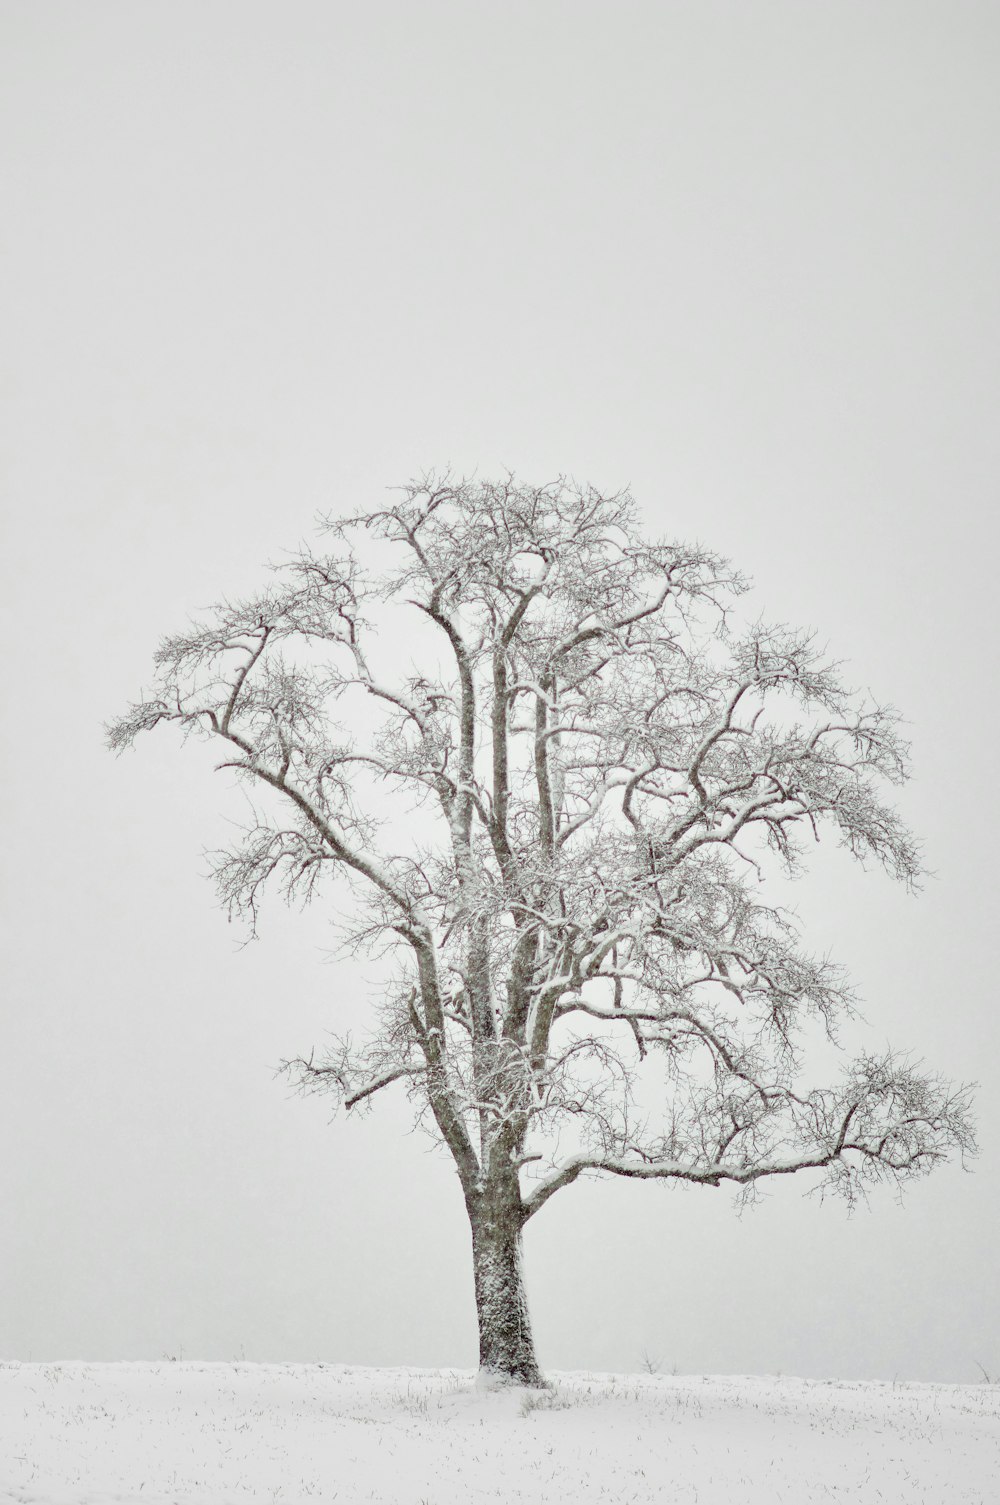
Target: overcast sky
[{"x": 261, "y": 260}]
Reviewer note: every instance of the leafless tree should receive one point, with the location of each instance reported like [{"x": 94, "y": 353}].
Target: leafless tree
[{"x": 560, "y": 824}]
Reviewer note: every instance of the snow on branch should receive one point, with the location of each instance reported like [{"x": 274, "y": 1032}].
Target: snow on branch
[
  {"x": 885, "y": 1123},
  {"x": 559, "y": 801}
]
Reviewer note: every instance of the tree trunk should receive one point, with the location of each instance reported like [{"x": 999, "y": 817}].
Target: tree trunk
[{"x": 506, "y": 1346}]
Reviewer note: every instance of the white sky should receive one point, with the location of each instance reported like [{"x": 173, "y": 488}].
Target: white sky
[{"x": 260, "y": 260}]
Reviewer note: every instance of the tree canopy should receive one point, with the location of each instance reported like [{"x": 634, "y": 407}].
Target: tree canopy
[{"x": 559, "y": 822}]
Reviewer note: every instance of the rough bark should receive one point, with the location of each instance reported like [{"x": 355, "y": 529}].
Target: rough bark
[{"x": 506, "y": 1344}]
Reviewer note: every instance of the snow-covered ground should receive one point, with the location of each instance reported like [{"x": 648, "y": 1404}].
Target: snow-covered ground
[{"x": 157, "y": 1433}]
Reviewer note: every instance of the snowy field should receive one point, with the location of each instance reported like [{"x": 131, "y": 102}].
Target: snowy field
[{"x": 157, "y": 1433}]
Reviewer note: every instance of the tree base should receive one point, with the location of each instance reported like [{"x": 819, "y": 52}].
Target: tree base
[{"x": 489, "y": 1379}]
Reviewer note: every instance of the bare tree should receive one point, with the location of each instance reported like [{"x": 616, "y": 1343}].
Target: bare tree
[{"x": 559, "y": 826}]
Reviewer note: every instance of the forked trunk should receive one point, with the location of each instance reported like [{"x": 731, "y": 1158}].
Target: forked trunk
[{"x": 506, "y": 1346}]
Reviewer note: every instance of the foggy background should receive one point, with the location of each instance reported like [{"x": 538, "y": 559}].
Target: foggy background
[{"x": 263, "y": 260}]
